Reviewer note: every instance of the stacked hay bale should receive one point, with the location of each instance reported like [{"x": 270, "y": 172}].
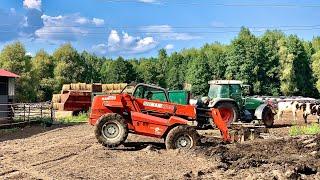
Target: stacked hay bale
[
  {"x": 113, "y": 88},
  {"x": 58, "y": 102}
]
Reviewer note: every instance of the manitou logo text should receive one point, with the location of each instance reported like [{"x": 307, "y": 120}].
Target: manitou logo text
[
  {"x": 109, "y": 98},
  {"x": 151, "y": 104},
  {"x": 158, "y": 105}
]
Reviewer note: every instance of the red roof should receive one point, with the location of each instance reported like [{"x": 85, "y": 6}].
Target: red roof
[{"x": 5, "y": 73}]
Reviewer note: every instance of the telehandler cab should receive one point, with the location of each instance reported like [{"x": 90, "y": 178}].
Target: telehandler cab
[{"x": 114, "y": 116}]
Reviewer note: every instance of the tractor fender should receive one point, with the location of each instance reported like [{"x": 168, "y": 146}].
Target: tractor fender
[
  {"x": 217, "y": 100},
  {"x": 259, "y": 111}
]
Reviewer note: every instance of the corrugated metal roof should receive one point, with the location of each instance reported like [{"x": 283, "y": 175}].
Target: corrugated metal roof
[{"x": 5, "y": 73}]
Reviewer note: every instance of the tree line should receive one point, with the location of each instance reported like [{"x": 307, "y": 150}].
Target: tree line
[{"x": 273, "y": 64}]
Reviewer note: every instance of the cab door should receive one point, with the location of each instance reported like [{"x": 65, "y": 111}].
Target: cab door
[
  {"x": 236, "y": 94},
  {"x": 153, "y": 100}
]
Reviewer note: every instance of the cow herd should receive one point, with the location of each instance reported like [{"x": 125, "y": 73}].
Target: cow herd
[{"x": 307, "y": 108}]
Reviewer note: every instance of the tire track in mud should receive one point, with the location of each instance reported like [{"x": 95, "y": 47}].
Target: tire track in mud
[
  {"x": 71, "y": 156},
  {"x": 8, "y": 172},
  {"x": 26, "y": 170},
  {"x": 30, "y": 169}
]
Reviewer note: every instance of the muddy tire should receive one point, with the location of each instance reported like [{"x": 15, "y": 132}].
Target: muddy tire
[
  {"x": 182, "y": 137},
  {"x": 111, "y": 130},
  {"x": 228, "y": 111},
  {"x": 267, "y": 117}
]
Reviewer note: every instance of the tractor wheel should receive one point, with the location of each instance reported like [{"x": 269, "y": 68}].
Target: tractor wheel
[
  {"x": 111, "y": 130},
  {"x": 268, "y": 117},
  {"x": 183, "y": 136},
  {"x": 228, "y": 111}
]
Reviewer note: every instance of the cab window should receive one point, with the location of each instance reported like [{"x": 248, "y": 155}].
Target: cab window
[
  {"x": 235, "y": 90},
  {"x": 139, "y": 93},
  {"x": 150, "y": 93}
]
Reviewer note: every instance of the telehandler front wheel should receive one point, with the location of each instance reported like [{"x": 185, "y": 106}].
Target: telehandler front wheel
[
  {"x": 111, "y": 130},
  {"x": 182, "y": 136}
]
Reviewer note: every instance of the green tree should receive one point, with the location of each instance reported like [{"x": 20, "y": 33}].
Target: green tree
[
  {"x": 119, "y": 71},
  {"x": 316, "y": 43},
  {"x": 198, "y": 76},
  {"x": 13, "y": 58},
  {"x": 316, "y": 68},
  {"x": 296, "y": 75},
  {"x": 148, "y": 71},
  {"x": 92, "y": 67},
  {"x": 244, "y": 60},
  {"x": 42, "y": 69},
  {"x": 271, "y": 81},
  {"x": 69, "y": 66},
  {"x": 162, "y": 68},
  {"x": 135, "y": 65},
  {"x": 216, "y": 55},
  {"x": 175, "y": 76}
]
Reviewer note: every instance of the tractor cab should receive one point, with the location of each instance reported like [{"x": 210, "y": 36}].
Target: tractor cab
[
  {"x": 150, "y": 92},
  {"x": 226, "y": 89},
  {"x": 248, "y": 108},
  {"x": 233, "y": 89}
]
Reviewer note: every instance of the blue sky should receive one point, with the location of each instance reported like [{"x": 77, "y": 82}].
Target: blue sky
[{"x": 139, "y": 28}]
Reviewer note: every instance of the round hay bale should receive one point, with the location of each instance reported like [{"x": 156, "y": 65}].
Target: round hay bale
[
  {"x": 104, "y": 88},
  {"x": 58, "y": 106},
  {"x": 72, "y": 86},
  {"x": 56, "y": 98},
  {"x": 109, "y": 86},
  {"x": 116, "y": 87},
  {"x": 77, "y": 87},
  {"x": 123, "y": 85},
  {"x": 89, "y": 87},
  {"x": 82, "y": 86},
  {"x": 66, "y": 87}
]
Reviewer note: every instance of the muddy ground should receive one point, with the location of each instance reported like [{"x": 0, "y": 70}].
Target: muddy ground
[{"x": 72, "y": 152}]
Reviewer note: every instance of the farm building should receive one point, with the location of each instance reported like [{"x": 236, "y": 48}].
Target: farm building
[{"x": 7, "y": 84}]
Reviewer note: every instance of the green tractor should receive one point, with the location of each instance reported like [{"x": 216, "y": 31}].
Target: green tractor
[{"x": 230, "y": 97}]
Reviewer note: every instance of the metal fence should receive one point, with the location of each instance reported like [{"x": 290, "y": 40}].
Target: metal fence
[{"x": 20, "y": 113}]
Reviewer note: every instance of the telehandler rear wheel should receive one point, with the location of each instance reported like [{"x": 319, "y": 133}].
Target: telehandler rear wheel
[
  {"x": 183, "y": 136},
  {"x": 111, "y": 130}
]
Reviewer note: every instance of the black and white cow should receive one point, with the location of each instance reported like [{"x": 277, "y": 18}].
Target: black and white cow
[
  {"x": 288, "y": 106},
  {"x": 310, "y": 109}
]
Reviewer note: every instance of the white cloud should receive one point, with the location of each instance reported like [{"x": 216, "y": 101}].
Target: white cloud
[
  {"x": 82, "y": 20},
  {"x": 65, "y": 27},
  {"x": 100, "y": 49},
  {"x": 98, "y": 22},
  {"x": 169, "y": 46},
  {"x": 29, "y": 54},
  {"x": 125, "y": 44},
  {"x": 167, "y": 32},
  {"x": 32, "y": 4}
]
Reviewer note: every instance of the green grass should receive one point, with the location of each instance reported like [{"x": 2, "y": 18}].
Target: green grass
[
  {"x": 81, "y": 118},
  {"x": 305, "y": 130},
  {"x": 11, "y": 130}
]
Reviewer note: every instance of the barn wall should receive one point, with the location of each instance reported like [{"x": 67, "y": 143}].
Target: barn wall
[
  {"x": 11, "y": 86},
  {"x": 3, "y": 108}
]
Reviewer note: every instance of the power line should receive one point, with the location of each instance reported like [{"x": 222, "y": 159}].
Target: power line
[
  {"x": 221, "y": 4},
  {"x": 172, "y": 32},
  {"x": 168, "y": 26}
]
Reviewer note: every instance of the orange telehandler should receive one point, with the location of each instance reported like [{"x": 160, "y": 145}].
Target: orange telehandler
[{"x": 145, "y": 113}]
